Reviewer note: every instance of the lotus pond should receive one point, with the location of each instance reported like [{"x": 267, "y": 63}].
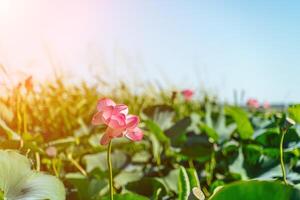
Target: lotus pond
[{"x": 65, "y": 141}]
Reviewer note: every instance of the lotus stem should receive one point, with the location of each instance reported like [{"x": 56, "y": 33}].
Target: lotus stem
[
  {"x": 281, "y": 157},
  {"x": 111, "y": 186},
  {"x": 286, "y": 124}
]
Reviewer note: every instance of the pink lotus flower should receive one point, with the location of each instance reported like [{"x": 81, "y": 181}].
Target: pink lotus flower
[
  {"x": 118, "y": 122},
  {"x": 187, "y": 94},
  {"x": 266, "y": 105},
  {"x": 253, "y": 103}
]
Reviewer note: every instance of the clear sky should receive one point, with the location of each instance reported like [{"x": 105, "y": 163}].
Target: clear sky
[{"x": 218, "y": 45}]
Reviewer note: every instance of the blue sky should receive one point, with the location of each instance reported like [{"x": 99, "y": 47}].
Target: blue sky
[{"x": 217, "y": 45}]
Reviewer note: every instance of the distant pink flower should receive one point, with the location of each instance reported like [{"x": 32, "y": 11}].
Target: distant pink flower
[
  {"x": 187, "y": 94},
  {"x": 28, "y": 84},
  {"x": 51, "y": 151},
  {"x": 252, "y": 103},
  {"x": 118, "y": 122},
  {"x": 266, "y": 105}
]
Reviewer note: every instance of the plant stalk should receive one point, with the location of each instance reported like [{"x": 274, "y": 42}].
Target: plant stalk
[
  {"x": 111, "y": 186},
  {"x": 281, "y": 157},
  {"x": 38, "y": 161},
  {"x": 77, "y": 165}
]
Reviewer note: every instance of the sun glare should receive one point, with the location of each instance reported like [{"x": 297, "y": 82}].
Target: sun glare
[{"x": 5, "y": 7}]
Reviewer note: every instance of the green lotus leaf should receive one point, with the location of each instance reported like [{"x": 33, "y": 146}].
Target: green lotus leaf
[{"x": 19, "y": 182}]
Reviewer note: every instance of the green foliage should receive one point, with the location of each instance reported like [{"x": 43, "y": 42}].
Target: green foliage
[
  {"x": 197, "y": 146},
  {"x": 294, "y": 112},
  {"x": 186, "y": 143},
  {"x": 183, "y": 184},
  {"x": 9, "y": 132},
  {"x": 18, "y": 181},
  {"x": 156, "y": 130},
  {"x": 193, "y": 177},
  {"x": 253, "y": 190},
  {"x": 244, "y": 126},
  {"x": 149, "y": 187},
  {"x": 187, "y": 182},
  {"x": 127, "y": 196},
  {"x": 210, "y": 132},
  {"x": 87, "y": 187}
]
